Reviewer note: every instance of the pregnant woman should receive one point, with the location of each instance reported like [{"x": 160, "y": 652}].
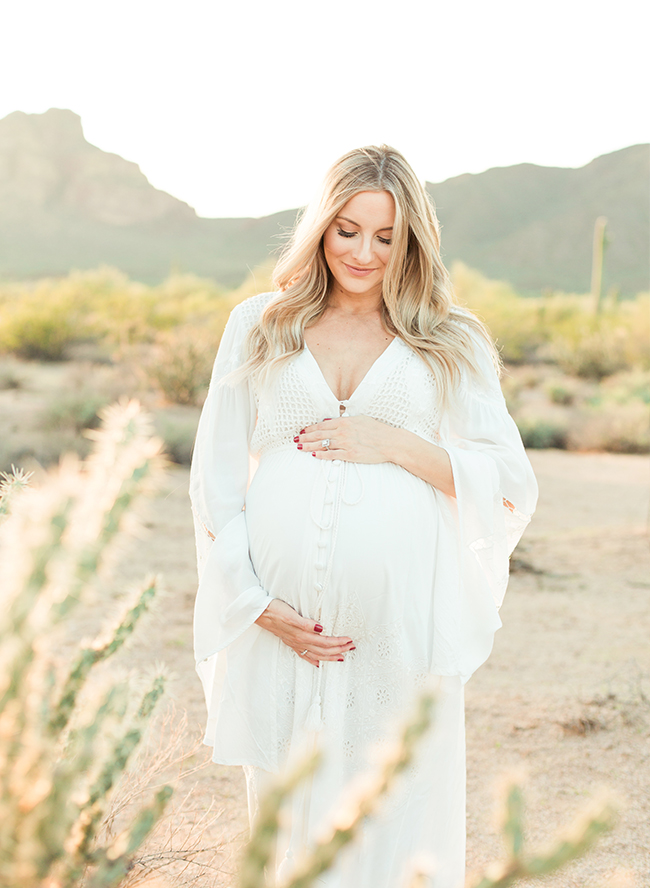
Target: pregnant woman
[{"x": 358, "y": 486}]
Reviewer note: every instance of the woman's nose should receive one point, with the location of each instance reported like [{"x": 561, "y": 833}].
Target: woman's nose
[{"x": 362, "y": 251}]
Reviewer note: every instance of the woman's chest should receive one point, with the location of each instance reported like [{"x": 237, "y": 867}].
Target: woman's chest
[
  {"x": 345, "y": 361},
  {"x": 397, "y": 389}
]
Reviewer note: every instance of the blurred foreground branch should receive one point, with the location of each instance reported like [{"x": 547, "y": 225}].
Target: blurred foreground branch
[
  {"x": 571, "y": 843},
  {"x": 258, "y": 864},
  {"x": 62, "y": 752}
]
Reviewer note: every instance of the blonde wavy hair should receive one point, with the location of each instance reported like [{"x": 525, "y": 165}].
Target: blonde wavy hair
[{"x": 418, "y": 302}]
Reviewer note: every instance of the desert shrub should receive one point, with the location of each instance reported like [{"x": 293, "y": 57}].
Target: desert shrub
[
  {"x": 40, "y": 321},
  {"x": 616, "y": 416},
  {"x": 43, "y": 320},
  {"x": 74, "y": 411},
  {"x": 625, "y": 388},
  {"x": 540, "y": 433},
  {"x": 10, "y": 377},
  {"x": 181, "y": 364},
  {"x": 38, "y": 331},
  {"x": 561, "y": 391},
  {"x": 177, "y": 428},
  {"x": 558, "y": 327},
  {"x": 594, "y": 355},
  {"x": 611, "y": 426},
  {"x": 63, "y": 744},
  {"x": 513, "y": 321}
]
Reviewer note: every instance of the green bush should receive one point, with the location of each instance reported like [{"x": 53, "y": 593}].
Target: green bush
[
  {"x": 560, "y": 328},
  {"x": 560, "y": 392},
  {"x": 540, "y": 433},
  {"x": 177, "y": 427},
  {"x": 613, "y": 427},
  {"x": 594, "y": 355},
  {"x": 181, "y": 362},
  {"x": 42, "y": 321},
  {"x": 74, "y": 411},
  {"x": 39, "y": 332},
  {"x": 10, "y": 377}
]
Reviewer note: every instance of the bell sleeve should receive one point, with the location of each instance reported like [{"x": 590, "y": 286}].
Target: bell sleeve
[
  {"x": 229, "y": 597},
  {"x": 496, "y": 494}
]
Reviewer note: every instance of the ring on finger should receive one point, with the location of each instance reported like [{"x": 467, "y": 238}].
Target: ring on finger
[
  {"x": 325, "y": 443},
  {"x": 303, "y": 653}
]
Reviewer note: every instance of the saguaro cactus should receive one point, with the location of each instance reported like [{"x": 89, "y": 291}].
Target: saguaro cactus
[{"x": 57, "y": 767}]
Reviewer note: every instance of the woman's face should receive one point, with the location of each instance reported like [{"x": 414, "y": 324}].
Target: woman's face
[{"x": 357, "y": 243}]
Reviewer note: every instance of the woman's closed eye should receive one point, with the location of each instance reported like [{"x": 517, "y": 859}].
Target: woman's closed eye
[{"x": 344, "y": 233}]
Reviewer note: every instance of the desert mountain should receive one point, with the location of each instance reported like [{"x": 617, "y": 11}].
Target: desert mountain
[{"x": 65, "y": 203}]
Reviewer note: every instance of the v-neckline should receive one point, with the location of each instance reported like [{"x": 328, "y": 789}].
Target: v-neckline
[{"x": 369, "y": 372}]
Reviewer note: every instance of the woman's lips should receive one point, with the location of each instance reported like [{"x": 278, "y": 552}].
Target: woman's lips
[{"x": 358, "y": 272}]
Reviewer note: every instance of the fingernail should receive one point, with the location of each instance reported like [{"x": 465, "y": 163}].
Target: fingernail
[
  {"x": 353, "y": 648},
  {"x": 299, "y": 446},
  {"x": 313, "y": 453},
  {"x": 327, "y": 419},
  {"x": 318, "y": 628},
  {"x": 302, "y": 431},
  {"x": 341, "y": 660},
  {"x": 296, "y": 439}
]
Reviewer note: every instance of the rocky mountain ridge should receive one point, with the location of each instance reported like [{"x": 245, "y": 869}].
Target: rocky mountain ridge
[
  {"x": 65, "y": 203},
  {"x": 46, "y": 164}
]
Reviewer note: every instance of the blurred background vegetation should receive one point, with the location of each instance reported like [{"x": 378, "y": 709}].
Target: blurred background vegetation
[
  {"x": 143, "y": 315},
  {"x": 577, "y": 367}
]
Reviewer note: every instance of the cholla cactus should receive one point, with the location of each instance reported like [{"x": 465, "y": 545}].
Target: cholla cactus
[
  {"x": 10, "y": 484},
  {"x": 572, "y": 843},
  {"x": 349, "y": 820},
  {"x": 59, "y": 761}
]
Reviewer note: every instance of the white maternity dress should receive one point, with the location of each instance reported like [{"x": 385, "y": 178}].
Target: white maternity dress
[{"x": 372, "y": 552}]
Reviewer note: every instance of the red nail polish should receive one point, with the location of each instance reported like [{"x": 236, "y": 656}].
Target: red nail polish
[
  {"x": 353, "y": 649},
  {"x": 341, "y": 660},
  {"x": 296, "y": 439},
  {"x": 318, "y": 628},
  {"x": 327, "y": 419},
  {"x": 302, "y": 431},
  {"x": 313, "y": 453},
  {"x": 299, "y": 446}
]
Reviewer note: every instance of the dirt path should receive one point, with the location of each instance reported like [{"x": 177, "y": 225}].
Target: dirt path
[{"x": 565, "y": 695}]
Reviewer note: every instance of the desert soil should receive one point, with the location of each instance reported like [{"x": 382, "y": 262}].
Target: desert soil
[{"x": 564, "y": 698}]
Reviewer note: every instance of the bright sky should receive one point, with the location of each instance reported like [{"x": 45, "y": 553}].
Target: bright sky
[{"x": 239, "y": 107}]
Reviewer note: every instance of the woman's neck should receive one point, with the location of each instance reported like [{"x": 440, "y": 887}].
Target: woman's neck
[{"x": 354, "y": 304}]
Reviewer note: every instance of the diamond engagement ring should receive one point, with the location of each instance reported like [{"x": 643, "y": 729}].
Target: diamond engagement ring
[
  {"x": 325, "y": 444},
  {"x": 304, "y": 652}
]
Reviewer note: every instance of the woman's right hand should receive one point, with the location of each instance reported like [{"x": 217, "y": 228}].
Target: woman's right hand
[{"x": 301, "y": 634}]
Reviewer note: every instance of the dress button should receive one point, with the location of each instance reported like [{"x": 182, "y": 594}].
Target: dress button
[
  {"x": 318, "y": 587},
  {"x": 336, "y": 462},
  {"x": 329, "y": 500}
]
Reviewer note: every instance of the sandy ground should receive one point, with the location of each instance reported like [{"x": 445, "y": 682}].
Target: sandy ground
[{"x": 565, "y": 697}]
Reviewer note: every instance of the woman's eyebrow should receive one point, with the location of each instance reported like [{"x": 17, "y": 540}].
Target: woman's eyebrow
[{"x": 352, "y": 222}]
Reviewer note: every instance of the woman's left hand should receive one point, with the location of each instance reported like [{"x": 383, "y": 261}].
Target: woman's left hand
[{"x": 359, "y": 439}]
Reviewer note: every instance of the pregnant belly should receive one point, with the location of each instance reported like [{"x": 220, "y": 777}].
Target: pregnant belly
[{"x": 366, "y": 533}]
